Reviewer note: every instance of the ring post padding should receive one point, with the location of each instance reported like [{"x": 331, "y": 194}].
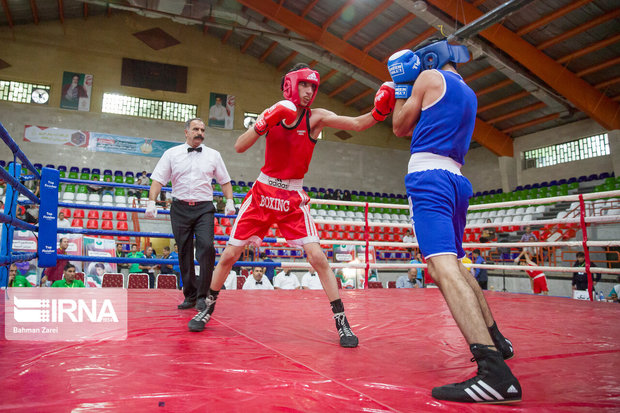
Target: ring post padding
[
  {"x": 48, "y": 225},
  {"x": 10, "y": 203}
]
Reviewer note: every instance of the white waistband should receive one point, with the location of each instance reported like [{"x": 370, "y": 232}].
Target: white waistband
[
  {"x": 539, "y": 275},
  {"x": 288, "y": 184},
  {"x": 426, "y": 161}
]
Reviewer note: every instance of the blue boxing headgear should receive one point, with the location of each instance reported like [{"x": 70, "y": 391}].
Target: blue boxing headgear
[{"x": 437, "y": 54}]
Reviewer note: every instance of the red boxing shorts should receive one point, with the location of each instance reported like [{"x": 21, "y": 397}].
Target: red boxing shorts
[
  {"x": 274, "y": 201},
  {"x": 540, "y": 284}
]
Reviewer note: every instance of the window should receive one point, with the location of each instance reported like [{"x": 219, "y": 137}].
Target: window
[
  {"x": 584, "y": 148},
  {"x": 22, "y": 92},
  {"x": 148, "y": 108}
]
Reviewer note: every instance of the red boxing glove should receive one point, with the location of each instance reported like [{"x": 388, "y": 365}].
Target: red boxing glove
[
  {"x": 384, "y": 101},
  {"x": 284, "y": 110}
]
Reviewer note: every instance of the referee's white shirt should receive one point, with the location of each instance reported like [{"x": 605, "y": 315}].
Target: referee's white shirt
[
  {"x": 312, "y": 281},
  {"x": 286, "y": 282},
  {"x": 191, "y": 173}
]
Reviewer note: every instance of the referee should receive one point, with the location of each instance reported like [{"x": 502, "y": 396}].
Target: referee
[{"x": 191, "y": 167}]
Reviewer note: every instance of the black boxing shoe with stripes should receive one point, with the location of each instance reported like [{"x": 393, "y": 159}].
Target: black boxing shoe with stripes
[
  {"x": 494, "y": 383},
  {"x": 347, "y": 338},
  {"x": 197, "y": 324}
]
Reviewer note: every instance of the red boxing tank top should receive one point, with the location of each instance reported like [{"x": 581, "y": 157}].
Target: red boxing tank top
[{"x": 288, "y": 151}]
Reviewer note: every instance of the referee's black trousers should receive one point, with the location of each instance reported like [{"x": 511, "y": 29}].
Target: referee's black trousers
[{"x": 189, "y": 220}]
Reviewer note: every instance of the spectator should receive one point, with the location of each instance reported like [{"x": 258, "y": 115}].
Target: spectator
[
  {"x": 346, "y": 195},
  {"x": 176, "y": 268},
  {"x": 488, "y": 234},
  {"x": 107, "y": 190},
  {"x": 32, "y": 214},
  {"x": 144, "y": 180},
  {"x": 538, "y": 279},
  {"x": 134, "y": 253},
  {"x": 166, "y": 268},
  {"x": 69, "y": 280},
  {"x": 53, "y": 274},
  {"x": 408, "y": 238},
  {"x": 311, "y": 281},
  {"x": 258, "y": 280},
  {"x": 270, "y": 271},
  {"x": 16, "y": 280},
  {"x": 417, "y": 259},
  {"x": 410, "y": 280},
  {"x": 528, "y": 237},
  {"x": 580, "y": 278},
  {"x": 231, "y": 281},
  {"x": 480, "y": 274},
  {"x": 62, "y": 221},
  {"x": 121, "y": 254},
  {"x": 149, "y": 269},
  {"x": 220, "y": 204},
  {"x": 286, "y": 280},
  {"x": 614, "y": 293},
  {"x": 21, "y": 212}
]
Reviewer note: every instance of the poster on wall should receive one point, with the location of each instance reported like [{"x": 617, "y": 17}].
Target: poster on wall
[
  {"x": 105, "y": 142},
  {"x": 74, "y": 248},
  {"x": 56, "y": 136},
  {"x": 98, "y": 247},
  {"x": 76, "y": 91},
  {"x": 221, "y": 110}
]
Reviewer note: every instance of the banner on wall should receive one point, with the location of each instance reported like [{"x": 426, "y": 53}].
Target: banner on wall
[
  {"x": 221, "y": 110},
  {"x": 56, "y": 136},
  {"x": 98, "y": 247},
  {"x": 104, "y": 142},
  {"x": 76, "y": 91},
  {"x": 75, "y": 247}
]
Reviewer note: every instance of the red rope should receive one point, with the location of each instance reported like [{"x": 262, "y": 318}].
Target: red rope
[
  {"x": 584, "y": 234},
  {"x": 367, "y": 239}
]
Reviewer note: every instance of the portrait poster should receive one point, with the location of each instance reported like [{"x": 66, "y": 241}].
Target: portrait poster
[
  {"x": 76, "y": 91},
  {"x": 93, "y": 271},
  {"x": 221, "y": 110}
]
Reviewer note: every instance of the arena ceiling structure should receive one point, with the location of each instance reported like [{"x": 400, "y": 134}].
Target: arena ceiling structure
[{"x": 535, "y": 64}]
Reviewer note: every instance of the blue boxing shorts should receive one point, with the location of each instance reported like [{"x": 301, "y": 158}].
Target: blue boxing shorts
[{"x": 438, "y": 202}]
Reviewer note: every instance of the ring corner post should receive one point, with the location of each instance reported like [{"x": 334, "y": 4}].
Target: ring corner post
[{"x": 48, "y": 224}]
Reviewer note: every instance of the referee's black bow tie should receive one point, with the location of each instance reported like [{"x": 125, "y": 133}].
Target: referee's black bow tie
[
  {"x": 259, "y": 283},
  {"x": 198, "y": 149}
]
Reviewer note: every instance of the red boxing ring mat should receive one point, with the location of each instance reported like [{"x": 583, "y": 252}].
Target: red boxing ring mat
[{"x": 278, "y": 351}]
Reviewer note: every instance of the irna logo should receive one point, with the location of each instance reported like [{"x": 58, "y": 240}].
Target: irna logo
[{"x": 63, "y": 310}]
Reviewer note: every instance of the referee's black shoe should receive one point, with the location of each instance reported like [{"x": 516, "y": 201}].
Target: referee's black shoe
[{"x": 494, "y": 383}]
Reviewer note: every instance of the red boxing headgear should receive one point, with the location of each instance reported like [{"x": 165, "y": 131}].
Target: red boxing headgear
[{"x": 290, "y": 88}]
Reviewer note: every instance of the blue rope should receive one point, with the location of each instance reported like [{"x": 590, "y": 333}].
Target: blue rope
[
  {"x": 151, "y": 261},
  {"x": 16, "y": 151},
  {"x": 18, "y": 185},
  {"x": 10, "y": 259},
  {"x": 127, "y": 209},
  {"x": 17, "y": 222}
]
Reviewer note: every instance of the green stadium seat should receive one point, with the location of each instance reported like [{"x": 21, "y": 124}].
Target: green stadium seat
[
  {"x": 118, "y": 179},
  {"x": 73, "y": 175},
  {"x": 128, "y": 180}
]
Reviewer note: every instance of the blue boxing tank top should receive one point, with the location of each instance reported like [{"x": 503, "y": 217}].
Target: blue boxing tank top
[{"x": 445, "y": 127}]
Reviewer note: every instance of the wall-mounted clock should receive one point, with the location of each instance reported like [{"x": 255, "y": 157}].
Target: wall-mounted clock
[{"x": 40, "y": 96}]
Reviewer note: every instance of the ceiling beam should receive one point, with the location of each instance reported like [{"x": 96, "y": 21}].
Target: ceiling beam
[
  {"x": 606, "y": 83},
  {"x": 61, "y": 12},
  {"x": 337, "y": 14},
  {"x": 358, "y": 97},
  {"x": 531, "y": 123},
  {"x": 313, "y": 63},
  {"x": 516, "y": 113},
  {"x": 85, "y": 11},
  {"x": 581, "y": 28},
  {"x": 7, "y": 13},
  {"x": 494, "y": 87},
  {"x": 247, "y": 43},
  {"x": 286, "y": 61},
  {"x": 493, "y": 139},
  {"x": 592, "y": 48},
  {"x": 583, "y": 95},
  {"x": 376, "y": 12},
  {"x": 309, "y": 7},
  {"x": 268, "y": 51},
  {"x": 552, "y": 16},
  {"x": 600, "y": 66},
  {"x": 342, "y": 87},
  {"x": 503, "y": 101},
  {"x": 227, "y": 36},
  {"x": 328, "y": 75},
  {"x": 405, "y": 20},
  {"x": 479, "y": 74},
  {"x": 35, "y": 12}
]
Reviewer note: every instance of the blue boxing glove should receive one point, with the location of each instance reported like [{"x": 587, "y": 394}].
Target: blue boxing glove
[{"x": 404, "y": 66}]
